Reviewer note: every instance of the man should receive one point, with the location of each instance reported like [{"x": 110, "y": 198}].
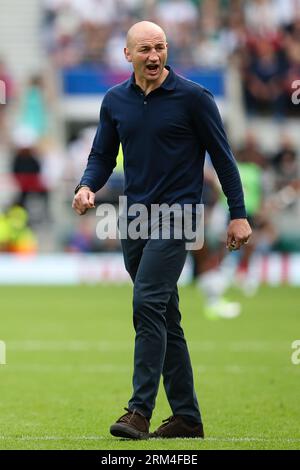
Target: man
[{"x": 165, "y": 124}]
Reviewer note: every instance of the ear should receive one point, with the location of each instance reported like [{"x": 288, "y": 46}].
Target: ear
[{"x": 127, "y": 54}]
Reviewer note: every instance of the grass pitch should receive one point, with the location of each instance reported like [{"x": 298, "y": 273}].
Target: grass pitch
[{"x": 69, "y": 366}]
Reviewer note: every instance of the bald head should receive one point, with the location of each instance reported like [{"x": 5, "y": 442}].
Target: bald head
[
  {"x": 146, "y": 49},
  {"x": 143, "y": 30}
]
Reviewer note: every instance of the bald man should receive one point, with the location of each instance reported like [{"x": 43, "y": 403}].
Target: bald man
[{"x": 165, "y": 124}]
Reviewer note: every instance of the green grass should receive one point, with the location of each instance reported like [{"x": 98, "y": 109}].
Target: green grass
[{"x": 69, "y": 365}]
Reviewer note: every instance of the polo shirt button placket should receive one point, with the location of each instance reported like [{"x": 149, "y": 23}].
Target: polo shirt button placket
[{"x": 143, "y": 95}]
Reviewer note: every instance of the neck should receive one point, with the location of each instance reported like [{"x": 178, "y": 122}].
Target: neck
[{"x": 148, "y": 86}]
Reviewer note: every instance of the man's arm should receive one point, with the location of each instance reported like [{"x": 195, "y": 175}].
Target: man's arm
[
  {"x": 212, "y": 133},
  {"x": 101, "y": 161}
]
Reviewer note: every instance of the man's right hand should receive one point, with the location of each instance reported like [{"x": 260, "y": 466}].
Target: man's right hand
[{"x": 83, "y": 200}]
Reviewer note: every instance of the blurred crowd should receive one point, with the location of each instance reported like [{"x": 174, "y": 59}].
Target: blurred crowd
[
  {"x": 16, "y": 236},
  {"x": 262, "y": 36},
  {"x": 259, "y": 37}
]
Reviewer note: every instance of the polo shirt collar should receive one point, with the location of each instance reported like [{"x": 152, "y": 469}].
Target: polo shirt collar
[
  {"x": 170, "y": 81},
  {"x": 168, "y": 84}
]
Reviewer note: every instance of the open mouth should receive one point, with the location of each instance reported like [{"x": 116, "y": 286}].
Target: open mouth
[{"x": 152, "y": 68}]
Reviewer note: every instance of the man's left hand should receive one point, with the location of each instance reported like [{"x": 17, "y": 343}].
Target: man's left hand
[{"x": 238, "y": 234}]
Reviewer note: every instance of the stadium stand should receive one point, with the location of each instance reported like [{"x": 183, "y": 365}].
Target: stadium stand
[{"x": 69, "y": 52}]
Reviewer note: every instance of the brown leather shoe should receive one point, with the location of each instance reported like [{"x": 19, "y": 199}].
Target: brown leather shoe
[
  {"x": 177, "y": 426},
  {"x": 132, "y": 425}
]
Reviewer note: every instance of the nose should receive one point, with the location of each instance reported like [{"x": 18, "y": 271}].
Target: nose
[{"x": 153, "y": 56}]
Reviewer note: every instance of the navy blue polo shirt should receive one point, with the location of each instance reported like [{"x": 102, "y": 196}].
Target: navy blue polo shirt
[{"x": 164, "y": 136}]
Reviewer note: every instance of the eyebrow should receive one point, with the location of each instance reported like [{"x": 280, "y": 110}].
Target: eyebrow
[{"x": 147, "y": 45}]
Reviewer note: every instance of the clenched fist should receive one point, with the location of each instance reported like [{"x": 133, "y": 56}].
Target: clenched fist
[
  {"x": 83, "y": 200},
  {"x": 238, "y": 234}
]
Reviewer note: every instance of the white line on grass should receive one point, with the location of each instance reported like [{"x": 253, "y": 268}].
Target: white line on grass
[
  {"x": 54, "y": 438},
  {"x": 102, "y": 438},
  {"x": 118, "y": 346},
  {"x": 231, "y": 369},
  {"x": 251, "y": 439}
]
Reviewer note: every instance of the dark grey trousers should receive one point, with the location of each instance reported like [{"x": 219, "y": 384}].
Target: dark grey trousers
[{"x": 160, "y": 346}]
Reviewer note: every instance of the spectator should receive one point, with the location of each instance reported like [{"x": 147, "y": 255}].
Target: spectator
[
  {"x": 82, "y": 238},
  {"x": 15, "y": 234},
  {"x": 179, "y": 19},
  {"x": 263, "y": 80},
  {"x": 261, "y": 16},
  {"x": 26, "y": 169},
  {"x": 34, "y": 114},
  {"x": 286, "y": 164},
  {"x": 292, "y": 48}
]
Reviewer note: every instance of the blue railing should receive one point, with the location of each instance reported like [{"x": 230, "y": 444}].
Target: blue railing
[{"x": 90, "y": 79}]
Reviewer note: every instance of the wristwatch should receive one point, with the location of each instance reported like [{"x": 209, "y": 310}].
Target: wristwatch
[{"x": 79, "y": 186}]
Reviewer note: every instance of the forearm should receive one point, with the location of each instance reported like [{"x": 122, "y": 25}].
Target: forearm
[
  {"x": 103, "y": 156},
  {"x": 97, "y": 172},
  {"x": 230, "y": 180},
  {"x": 216, "y": 143}
]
